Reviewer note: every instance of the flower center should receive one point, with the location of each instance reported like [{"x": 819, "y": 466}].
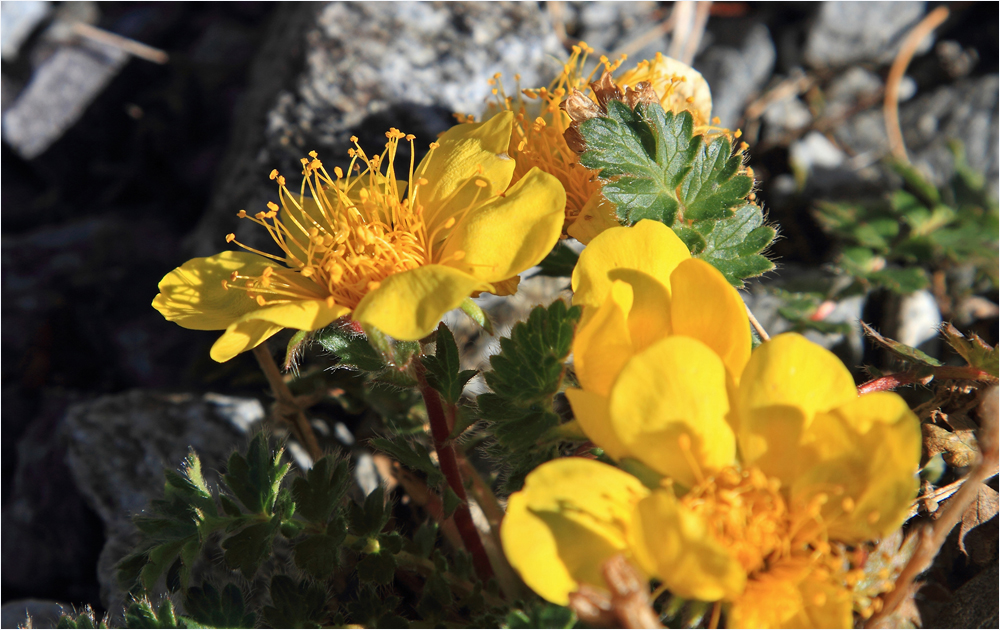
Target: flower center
[
  {"x": 749, "y": 515},
  {"x": 346, "y": 233}
]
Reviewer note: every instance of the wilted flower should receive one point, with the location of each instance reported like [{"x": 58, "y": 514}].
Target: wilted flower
[
  {"x": 541, "y": 122},
  {"x": 355, "y": 244}
]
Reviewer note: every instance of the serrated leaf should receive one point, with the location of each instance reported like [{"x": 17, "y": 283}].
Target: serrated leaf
[
  {"x": 318, "y": 555},
  {"x": 450, "y": 501},
  {"x": 444, "y": 371},
  {"x": 974, "y": 350},
  {"x": 255, "y": 478},
  {"x": 412, "y": 455},
  {"x": 423, "y": 540},
  {"x": 733, "y": 245},
  {"x": 541, "y": 615},
  {"x": 436, "y": 598},
  {"x": 351, "y": 348},
  {"x": 560, "y": 262},
  {"x": 377, "y": 568},
  {"x": 368, "y": 519},
  {"x": 900, "y": 350},
  {"x": 212, "y": 609},
  {"x": 247, "y": 549},
  {"x": 319, "y": 493},
  {"x": 373, "y": 608},
  {"x": 295, "y": 604}
]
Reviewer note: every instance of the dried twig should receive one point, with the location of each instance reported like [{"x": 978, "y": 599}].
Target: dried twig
[
  {"x": 933, "y": 535},
  {"x": 756, "y": 326},
  {"x": 288, "y": 407},
  {"x": 890, "y": 106},
  {"x": 132, "y": 47}
]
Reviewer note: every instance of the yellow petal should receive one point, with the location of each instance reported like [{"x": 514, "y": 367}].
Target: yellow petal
[
  {"x": 240, "y": 337},
  {"x": 603, "y": 343},
  {"x": 509, "y": 234},
  {"x": 864, "y": 457},
  {"x": 705, "y": 306},
  {"x": 674, "y": 544},
  {"x": 571, "y": 516},
  {"x": 649, "y": 318},
  {"x": 466, "y": 152},
  {"x": 648, "y": 246},
  {"x": 791, "y": 370},
  {"x": 192, "y": 295},
  {"x": 597, "y": 215},
  {"x": 591, "y": 410},
  {"x": 669, "y": 407},
  {"x": 410, "y": 304},
  {"x": 786, "y": 382},
  {"x": 300, "y": 314}
]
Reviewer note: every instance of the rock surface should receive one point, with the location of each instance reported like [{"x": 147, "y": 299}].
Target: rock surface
[
  {"x": 118, "y": 446},
  {"x": 737, "y": 67},
  {"x": 850, "y": 32}
]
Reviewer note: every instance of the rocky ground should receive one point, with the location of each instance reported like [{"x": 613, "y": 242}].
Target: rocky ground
[{"x": 117, "y": 168}]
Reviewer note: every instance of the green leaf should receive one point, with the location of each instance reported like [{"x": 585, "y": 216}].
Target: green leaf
[
  {"x": 412, "y": 455},
  {"x": 254, "y": 479},
  {"x": 901, "y": 350},
  {"x": 377, "y": 568},
  {"x": 444, "y": 371},
  {"x": 319, "y": 493},
  {"x": 477, "y": 314},
  {"x": 560, "y": 262},
  {"x": 318, "y": 554},
  {"x": 295, "y": 604},
  {"x": 977, "y": 352},
  {"x": 436, "y": 598},
  {"x": 82, "y": 620},
  {"x": 351, "y": 348},
  {"x": 450, "y": 501},
  {"x": 140, "y": 614},
  {"x": 541, "y": 615},
  {"x": 526, "y": 374},
  {"x": 423, "y": 540},
  {"x": 373, "y": 608},
  {"x": 733, "y": 245},
  {"x": 212, "y": 609},
  {"x": 248, "y": 548},
  {"x": 368, "y": 519}
]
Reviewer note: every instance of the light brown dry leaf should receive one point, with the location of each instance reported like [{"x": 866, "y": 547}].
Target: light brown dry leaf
[
  {"x": 983, "y": 509},
  {"x": 958, "y": 448}
]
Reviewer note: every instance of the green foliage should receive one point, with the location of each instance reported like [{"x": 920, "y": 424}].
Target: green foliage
[
  {"x": 295, "y": 604},
  {"x": 526, "y": 374},
  {"x": 560, "y": 262},
  {"x": 208, "y": 607},
  {"x": 319, "y": 493},
  {"x": 141, "y": 614},
  {"x": 85, "y": 619},
  {"x": 800, "y": 307},
  {"x": 894, "y": 243},
  {"x": 974, "y": 350},
  {"x": 254, "y": 479},
  {"x": 444, "y": 373},
  {"x": 901, "y": 351},
  {"x": 654, "y": 167},
  {"x": 412, "y": 455},
  {"x": 352, "y": 349},
  {"x": 368, "y": 519},
  {"x": 539, "y": 614}
]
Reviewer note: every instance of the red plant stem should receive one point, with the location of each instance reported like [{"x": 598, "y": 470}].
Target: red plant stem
[
  {"x": 892, "y": 381},
  {"x": 449, "y": 466}
]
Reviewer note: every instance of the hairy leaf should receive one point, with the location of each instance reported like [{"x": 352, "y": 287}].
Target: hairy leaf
[
  {"x": 295, "y": 604},
  {"x": 444, "y": 372},
  {"x": 734, "y": 245},
  {"x": 255, "y": 478},
  {"x": 900, "y": 350},
  {"x": 319, "y": 493},
  {"x": 977, "y": 352},
  {"x": 213, "y": 609},
  {"x": 412, "y": 455}
]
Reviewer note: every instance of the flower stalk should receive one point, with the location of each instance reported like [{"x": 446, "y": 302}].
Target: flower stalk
[
  {"x": 440, "y": 430},
  {"x": 288, "y": 408}
]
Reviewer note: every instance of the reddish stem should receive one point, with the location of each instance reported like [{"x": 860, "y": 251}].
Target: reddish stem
[
  {"x": 892, "y": 381},
  {"x": 449, "y": 466}
]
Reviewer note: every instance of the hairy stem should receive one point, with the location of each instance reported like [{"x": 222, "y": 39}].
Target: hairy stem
[
  {"x": 288, "y": 408},
  {"x": 449, "y": 466},
  {"x": 890, "y": 382}
]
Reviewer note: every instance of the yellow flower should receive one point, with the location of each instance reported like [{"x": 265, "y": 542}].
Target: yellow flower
[
  {"x": 647, "y": 303},
  {"x": 354, "y": 244},
  {"x": 540, "y": 124},
  {"x": 818, "y": 469}
]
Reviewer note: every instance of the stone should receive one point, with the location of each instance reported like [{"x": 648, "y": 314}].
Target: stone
[
  {"x": 369, "y": 66},
  {"x": 784, "y": 116},
  {"x": 32, "y": 613},
  {"x": 118, "y": 446},
  {"x": 814, "y": 151},
  {"x": 919, "y": 319},
  {"x": 737, "y": 67},
  {"x": 57, "y": 95},
  {"x": 846, "y": 33},
  {"x": 17, "y": 21},
  {"x": 849, "y": 88}
]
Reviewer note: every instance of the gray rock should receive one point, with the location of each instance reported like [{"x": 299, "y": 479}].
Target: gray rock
[
  {"x": 613, "y": 27},
  {"x": 118, "y": 446},
  {"x": 844, "y": 92},
  {"x": 59, "y": 92},
  {"x": 369, "y": 67},
  {"x": 966, "y": 111},
  {"x": 784, "y": 116},
  {"x": 17, "y": 21},
  {"x": 737, "y": 69},
  {"x": 845, "y": 33},
  {"x": 32, "y": 613},
  {"x": 814, "y": 151}
]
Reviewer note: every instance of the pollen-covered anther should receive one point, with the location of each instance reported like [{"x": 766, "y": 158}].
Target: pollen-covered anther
[{"x": 230, "y": 237}]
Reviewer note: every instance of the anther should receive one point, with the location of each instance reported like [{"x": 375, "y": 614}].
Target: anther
[
  {"x": 434, "y": 145},
  {"x": 242, "y": 214},
  {"x": 313, "y": 154},
  {"x": 273, "y": 207},
  {"x": 225, "y": 285},
  {"x": 374, "y": 285},
  {"x": 481, "y": 184},
  {"x": 449, "y": 223},
  {"x": 274, "y": 173},
  {"x": 260, "y": 300},
  {"x": 230, "y": 237},
  {"x": 338, "y": 172},
  {"x": 267, "y": 272}
]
